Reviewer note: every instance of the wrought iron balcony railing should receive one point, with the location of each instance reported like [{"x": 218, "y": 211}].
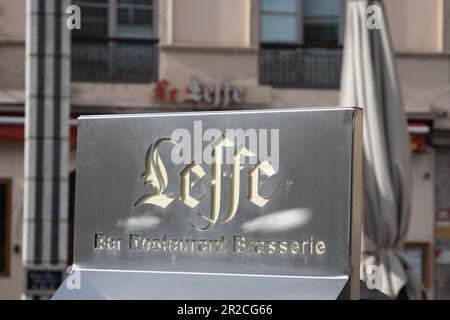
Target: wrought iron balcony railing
[
  {"x": 114, "y": 60},
  {"x": 299, "y": 66}
]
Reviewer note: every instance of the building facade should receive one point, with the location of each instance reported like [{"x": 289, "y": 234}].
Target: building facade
[{"x": 153, "y": 55}]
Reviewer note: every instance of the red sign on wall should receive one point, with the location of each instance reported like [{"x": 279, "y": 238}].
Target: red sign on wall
[{"x": 197, "y": 92}]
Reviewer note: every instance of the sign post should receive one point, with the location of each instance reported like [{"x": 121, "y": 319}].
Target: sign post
[{"x": 261, "y": 204}]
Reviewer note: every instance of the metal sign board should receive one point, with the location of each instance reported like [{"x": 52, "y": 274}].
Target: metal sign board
[{"x": 266, "y": 196}]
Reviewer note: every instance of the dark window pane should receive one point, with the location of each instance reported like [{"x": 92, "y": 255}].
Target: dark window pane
[
  {"x": 138, "y": 17},
  {"x": 321, "y": 34},
  {"x": 321, "y": 21},
  {"x": 135, "y": 23},
  {"x": 94, "y": 21},
  {"x": 139, "y": 2}
]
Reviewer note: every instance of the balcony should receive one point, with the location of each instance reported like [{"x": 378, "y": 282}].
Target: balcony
[
  {"x": 114, "y": 60},
  {"x": 300, "y": 66}
]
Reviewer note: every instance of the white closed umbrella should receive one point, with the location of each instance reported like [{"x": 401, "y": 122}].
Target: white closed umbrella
[{"x": 369, "y": 80}]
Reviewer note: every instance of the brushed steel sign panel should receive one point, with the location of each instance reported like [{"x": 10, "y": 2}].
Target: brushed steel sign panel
[{"x": 305, "y": 229}]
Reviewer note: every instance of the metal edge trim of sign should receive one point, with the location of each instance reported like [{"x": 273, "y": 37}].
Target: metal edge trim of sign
[
  {"x": 356, "y": 203},
  {"x": 219, "y": 112},
  {"x": 342, "y": 277}
]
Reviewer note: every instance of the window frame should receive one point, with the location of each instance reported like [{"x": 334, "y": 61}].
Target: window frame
[
  {"x": 7, "y": 271},
  {"x": 112, "y": 7},
  {"x": 108, "y": 47},
  {"x": 301, "y": 24}
]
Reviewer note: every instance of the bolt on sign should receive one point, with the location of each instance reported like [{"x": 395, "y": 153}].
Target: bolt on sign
[{"x": 241, "y": 202}]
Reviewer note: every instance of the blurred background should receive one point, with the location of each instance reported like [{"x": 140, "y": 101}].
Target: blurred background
[{"x": 140, "y": 56}]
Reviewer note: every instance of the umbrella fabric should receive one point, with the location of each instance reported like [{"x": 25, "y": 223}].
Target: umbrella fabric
[{"x": 369, "y": 80}]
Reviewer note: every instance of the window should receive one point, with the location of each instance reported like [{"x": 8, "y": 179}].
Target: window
[
  {"x": 117, "y": 18},
  {"x": 5, "y": 215},
  {"x": 322, "y": 22},
  {"x": 301, "y": 43},
  {"x": 279, "y": 21},
  {"x": 116, "y": 42},
  {"x": 94, "y": 15},
  {"x": 135, "y": 19}
]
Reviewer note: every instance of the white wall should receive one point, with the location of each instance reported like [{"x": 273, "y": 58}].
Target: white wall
[
  {"x": 416, "y": 25},
  {"x": 212, "y": 22},
  {"x": 12, "y": 19}
]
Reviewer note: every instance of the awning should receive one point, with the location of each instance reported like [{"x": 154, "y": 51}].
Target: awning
[{"x": 370, "y": 80}]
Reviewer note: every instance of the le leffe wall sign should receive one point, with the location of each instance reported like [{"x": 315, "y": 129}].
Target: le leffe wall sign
[{"x": 198, "y": 92}]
